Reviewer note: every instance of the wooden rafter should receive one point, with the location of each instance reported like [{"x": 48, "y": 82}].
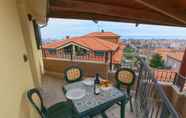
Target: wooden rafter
[
  {"x": 137, "y": 11},
  {"x": 170, "y": 12}
]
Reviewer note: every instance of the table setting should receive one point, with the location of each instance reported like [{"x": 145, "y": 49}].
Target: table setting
[{"x": 92, "y": 95}]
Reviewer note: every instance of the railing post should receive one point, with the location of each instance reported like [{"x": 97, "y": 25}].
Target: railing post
[
  {"x": 138, "y": 80},
  {"x": 164, "y": 113},
  {"x": 71, "y": 54},
  {"x": 106, "y": 57},
  {"x": 175, "y": 79},
  {"x": 43, "y": 52},
  {"x": 111, "y": 61},
  {"x": 182, "y": 84}
]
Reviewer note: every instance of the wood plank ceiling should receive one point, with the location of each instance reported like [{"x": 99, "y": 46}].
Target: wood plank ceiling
[{"x": 160, "y": 12}]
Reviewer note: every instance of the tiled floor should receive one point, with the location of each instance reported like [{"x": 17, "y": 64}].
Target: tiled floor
[{"x": 52, "y": 93}]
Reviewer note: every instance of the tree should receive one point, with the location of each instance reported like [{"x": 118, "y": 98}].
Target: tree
[
  {"x": 157, "y": 61},
  {"x": 129, "y": 50},
  {"x": 129, "y": 53}
]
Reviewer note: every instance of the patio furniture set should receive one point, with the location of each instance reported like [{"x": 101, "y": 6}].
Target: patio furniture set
[{"x": 82, "y": 102}]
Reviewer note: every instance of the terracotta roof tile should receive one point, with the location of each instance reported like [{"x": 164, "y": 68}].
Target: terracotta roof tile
[
  {"x": 102, "y": 34},
  {"x": 118, "y": 54},
  {"x": 164, "y": 52},
  {"x": 176, "y": 55},
  {"x": 56, "y": 44},
  {"x": 92, "y": 43}
]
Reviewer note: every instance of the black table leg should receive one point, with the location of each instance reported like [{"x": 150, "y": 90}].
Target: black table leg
[{"x": 122, "y": 109}]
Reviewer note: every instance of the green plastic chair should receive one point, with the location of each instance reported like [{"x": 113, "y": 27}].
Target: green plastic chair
[
  {"x": 125, "y": 78},
  {"x": 59, "y": 110},
  {"x": 72, "y": 74}
]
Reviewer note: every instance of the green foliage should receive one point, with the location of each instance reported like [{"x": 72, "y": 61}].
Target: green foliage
[
  {"x": 157, "y": 61},
  {"x": 129, "y": 54},
  {"x": 128, "y": 50}
]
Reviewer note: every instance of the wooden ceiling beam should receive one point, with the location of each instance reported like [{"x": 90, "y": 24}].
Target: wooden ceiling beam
[
  {"x": 93, "y": 16},
  {"x": 164, "y": 9},
  {"x": 175, "y": 9},
  {"x": 109, "y": 10}
]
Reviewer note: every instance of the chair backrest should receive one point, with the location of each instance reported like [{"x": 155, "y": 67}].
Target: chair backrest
[
  {"x": 36, "y": 100},
  {"x": 73, "y": 74},
  {"x": 125, "y": 76}
]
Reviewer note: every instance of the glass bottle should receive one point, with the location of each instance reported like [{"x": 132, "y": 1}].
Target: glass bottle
[{"x": 97, "y": 85}]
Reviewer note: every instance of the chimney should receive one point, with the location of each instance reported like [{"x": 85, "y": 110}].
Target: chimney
[
  {"x": 67, "y": 37},
  {"x": 102, "y": 30}
]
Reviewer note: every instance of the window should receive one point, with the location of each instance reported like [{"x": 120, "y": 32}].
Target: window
[
  {"x": 99, "y": 53},
  {"x": 52, "y": 51},
  {"x": 80, "y": 51}
]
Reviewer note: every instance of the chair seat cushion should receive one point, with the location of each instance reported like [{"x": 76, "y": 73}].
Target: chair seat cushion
[{"x": 60, "y": 110}]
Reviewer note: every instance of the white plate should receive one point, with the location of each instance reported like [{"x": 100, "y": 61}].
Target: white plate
[
  {"x": 75, "y": 94},
  {"x": 88, "y": 82}
]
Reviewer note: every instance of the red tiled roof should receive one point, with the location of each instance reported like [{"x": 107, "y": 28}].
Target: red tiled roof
[
  {"x": 102, "y": 34},
  {"x": 56, "y": 44},
  {"x": 163, "y": 51},
  {"x": 92, "y": 43},
  {"x": 118, "y": 54},
  {"x": 177, "y": 55}
]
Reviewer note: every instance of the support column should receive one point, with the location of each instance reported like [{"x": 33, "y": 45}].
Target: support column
[
  {"x": 110, "y": 61},
  {"x": 73, "y": 50},
  {"x": 182, "y": 70}
]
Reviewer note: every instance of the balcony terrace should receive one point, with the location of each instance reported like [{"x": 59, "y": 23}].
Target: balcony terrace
[
  {"x": 153, "y": 95},
  {"x": 52, "y": 94},
  {"x": 22, "y": 63}
]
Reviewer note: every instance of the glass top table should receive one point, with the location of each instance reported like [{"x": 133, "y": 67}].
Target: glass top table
[{"x": 92, "y": 104}]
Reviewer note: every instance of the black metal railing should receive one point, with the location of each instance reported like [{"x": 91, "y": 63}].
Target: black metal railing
[
  {"x": 172, "y": 77},
  {"x": 151, "y": 100}
]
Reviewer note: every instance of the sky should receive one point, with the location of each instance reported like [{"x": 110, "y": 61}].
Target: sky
[{"x": 60, "y": 28}]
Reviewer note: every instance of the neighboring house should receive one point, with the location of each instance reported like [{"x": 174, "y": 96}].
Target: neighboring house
[
  {"x": 172, "y": 57},
  {"x": 174, "y": 60},
  {"x": 96, "y": 46},
  {"x": 163, "y": 52},
  {"x": 145, "y": 52},
  {"x": 108, "y": 36}
]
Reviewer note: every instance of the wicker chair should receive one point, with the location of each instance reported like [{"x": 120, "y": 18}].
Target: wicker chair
[
  {"x": 73, "y": 74},
  {"x": 125, "y": 78},
  {"x": 59, "y": 110}
]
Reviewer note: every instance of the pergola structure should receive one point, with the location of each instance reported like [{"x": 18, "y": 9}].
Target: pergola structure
[{"x": 158, "y": 12}]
